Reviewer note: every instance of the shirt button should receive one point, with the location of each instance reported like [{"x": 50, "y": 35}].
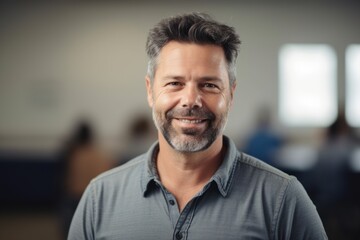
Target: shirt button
[
  {"x": 172, "y": 202},
  {"x": 179, "y": 235}
]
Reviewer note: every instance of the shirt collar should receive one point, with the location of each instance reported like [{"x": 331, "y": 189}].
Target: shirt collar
[
  {"x": 149, "y": 175},
  {"x": 222, "y": 177}
]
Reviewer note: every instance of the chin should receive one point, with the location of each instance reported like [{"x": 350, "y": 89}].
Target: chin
[{"x": 189, "y": 143}]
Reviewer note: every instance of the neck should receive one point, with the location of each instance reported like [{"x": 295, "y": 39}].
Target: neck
[{"x": 185, "y": 174}]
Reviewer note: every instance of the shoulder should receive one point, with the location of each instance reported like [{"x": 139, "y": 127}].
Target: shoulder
[
  {"x": 285, "y": 199},
  {"x": 247, "y": 163},
  {"x": 258, "y": 178},
  {"x": 251, "y": 166},
  {"x": 132, "y": 168},
  {"x": 270, "y": 180}
]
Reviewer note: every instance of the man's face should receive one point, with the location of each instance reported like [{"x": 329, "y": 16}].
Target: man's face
[{"x": 190, "y": 95}]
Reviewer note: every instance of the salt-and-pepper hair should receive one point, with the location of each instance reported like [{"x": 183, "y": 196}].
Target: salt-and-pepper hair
[{"x": 196, "y": 28}]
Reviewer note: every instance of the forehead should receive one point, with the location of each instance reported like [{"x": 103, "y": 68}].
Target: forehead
[
  {"x": 184, "y": 49},
  {"x": 191, "y": 56}
]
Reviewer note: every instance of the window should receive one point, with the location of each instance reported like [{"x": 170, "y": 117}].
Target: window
[
  {"x": 307, "y": 82},
  {"x": 353, "y": 85}
]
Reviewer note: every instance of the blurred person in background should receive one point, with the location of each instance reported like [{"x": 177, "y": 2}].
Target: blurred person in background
[
  {"x": 193, "y": 183},
  {"x": 81, "y": 160},
  {"x": 331, "y": 176},
  {"x": 264, "y": 142},
  {"x": 139, "y": 137}
]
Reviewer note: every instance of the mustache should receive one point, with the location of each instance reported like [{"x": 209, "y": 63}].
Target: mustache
[{"x": 190, "y": 112}]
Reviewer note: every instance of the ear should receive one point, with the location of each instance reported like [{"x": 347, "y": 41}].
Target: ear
[
  {"x": 232, "y": 91},
  {"x": 149, "y": 91}
]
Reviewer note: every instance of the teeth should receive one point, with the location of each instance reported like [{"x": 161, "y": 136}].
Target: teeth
[{"x": 190, "y": 121}]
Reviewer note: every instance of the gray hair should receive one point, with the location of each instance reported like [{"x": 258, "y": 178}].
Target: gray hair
[{"x": 196, "y": 28}]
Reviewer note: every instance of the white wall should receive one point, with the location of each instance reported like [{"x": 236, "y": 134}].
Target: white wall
[{"x": 60, "y": 62}]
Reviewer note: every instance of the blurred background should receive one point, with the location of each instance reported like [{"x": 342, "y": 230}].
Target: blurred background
[{"x": 73, "y": 100}]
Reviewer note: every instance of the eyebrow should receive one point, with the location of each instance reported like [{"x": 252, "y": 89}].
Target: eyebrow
[
  {"x": 204, "y": 78},
  {"x": 171, "y": 77},
  {"x": 211, "y": 79}
]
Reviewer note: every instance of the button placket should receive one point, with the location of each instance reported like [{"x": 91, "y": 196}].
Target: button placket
[{"x": 172, "y": 207}]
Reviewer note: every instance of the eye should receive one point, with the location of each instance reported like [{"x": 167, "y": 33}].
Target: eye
[
  {"x": 209, "y": 85},
  {"x": 174, "y": 84}
]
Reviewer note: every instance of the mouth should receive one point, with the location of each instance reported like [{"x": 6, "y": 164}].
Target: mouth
[
  {"x": 191, "y": 121},
  {"x": 190, "y": 125}
]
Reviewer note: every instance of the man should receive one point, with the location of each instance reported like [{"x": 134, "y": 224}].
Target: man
[{"x": 193, "y": 183}]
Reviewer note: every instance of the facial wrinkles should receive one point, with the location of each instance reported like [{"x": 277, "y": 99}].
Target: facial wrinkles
[{"x": 155, "y": 98}]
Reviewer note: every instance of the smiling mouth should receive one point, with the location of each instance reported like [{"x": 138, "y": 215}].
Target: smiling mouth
[{"x": 193, "y": 121}]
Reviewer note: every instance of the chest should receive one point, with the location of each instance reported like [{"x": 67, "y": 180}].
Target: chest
[{"x": 209, "y": 216}]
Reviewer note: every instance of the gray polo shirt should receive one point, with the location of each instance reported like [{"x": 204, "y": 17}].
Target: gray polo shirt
[{"x": 245, "y": 199}]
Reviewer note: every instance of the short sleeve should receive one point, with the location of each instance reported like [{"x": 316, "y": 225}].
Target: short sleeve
[
  {"x": 297, "y": 216},
  {"x": 82, "y": 225}
]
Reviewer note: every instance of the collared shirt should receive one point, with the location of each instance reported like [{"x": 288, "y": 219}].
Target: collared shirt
[{"x": 244, "y": 199}]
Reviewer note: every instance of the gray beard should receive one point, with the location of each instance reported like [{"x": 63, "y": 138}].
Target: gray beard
[{"x": 192, "y": 141}]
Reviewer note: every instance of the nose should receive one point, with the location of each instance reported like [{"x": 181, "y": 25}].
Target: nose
[{"x": 191, "y": 97}]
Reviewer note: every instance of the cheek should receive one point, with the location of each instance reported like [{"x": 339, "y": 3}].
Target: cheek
[
  {"x": 218, "y": 105},
  {"x": 164, "y": 101}
]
